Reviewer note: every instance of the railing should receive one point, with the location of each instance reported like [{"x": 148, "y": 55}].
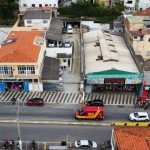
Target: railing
[
  {"x": 26, "y": 76},
  {"x": 3, "y": 76}
]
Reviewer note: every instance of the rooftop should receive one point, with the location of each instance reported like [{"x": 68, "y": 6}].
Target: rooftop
[
  {"x": 37, "y": 13},
  {"x": 137, "y": 19},
  {"x": 21, "y": 46},
  {"x": 105, "y": 51},
  {"x": 141, "y": 32},
  {"x": 132, "y": 138},
  {"x": 55, "y": 30},
  {"x": 145, "y": 12}
]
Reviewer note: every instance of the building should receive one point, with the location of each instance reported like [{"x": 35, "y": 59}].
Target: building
[
  {"x": 137, "y": 33},
  {"x": 142, "y": 12},
  {"x": 130, "y": 138},
  {"x": 24, "y": 4},
  {"x": 144, "y": 4},
  {"x": 109, "y": 65},
  {"x": 21, "y": 57}
]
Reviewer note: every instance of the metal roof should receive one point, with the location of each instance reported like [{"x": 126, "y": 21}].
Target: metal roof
[
  {"x": 112, "y": 53},
  {"x": 55, "y": 30}
]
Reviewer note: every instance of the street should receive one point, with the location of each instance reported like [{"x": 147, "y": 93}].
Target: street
[
  {"x": 54, "y": 133},
  {"x": 63, "y": 112}
]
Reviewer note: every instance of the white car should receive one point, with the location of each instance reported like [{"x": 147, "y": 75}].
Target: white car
[
  {"x": 139, "y": 116},
  {"x": 85, "y": 143},
  {"x": 51, "y": 44},
  {"x": 67, "y": 43}
]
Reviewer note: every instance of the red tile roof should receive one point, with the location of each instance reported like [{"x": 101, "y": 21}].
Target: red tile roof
[
  {"x": 143, "y": 13},
  {"x": 136, "y": 33},
  {"x": 146, "y": 31},
  {"x": 132, "y": 138},
  {"x": 47, "y": 8},
  {"x": 23, "y": 50}
]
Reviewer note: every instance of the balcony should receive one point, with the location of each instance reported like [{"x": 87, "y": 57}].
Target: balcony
[
  {"x": 6, "y": 76},
  {"x": 26, "y": 76}
]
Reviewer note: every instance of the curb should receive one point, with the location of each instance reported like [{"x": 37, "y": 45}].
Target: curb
[
  {"x": 55, "y": 122},
  {"x": 131, "y": 124}
]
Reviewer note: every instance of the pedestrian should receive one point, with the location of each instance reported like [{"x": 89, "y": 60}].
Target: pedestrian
[{"x": 20, "y": 87}]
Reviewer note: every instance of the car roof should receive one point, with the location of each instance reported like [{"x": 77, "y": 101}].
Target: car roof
[
  {"x": 84, "y": 142},
  {"x": 67, "y": 40},
  {"x": 142, "y": 113}
]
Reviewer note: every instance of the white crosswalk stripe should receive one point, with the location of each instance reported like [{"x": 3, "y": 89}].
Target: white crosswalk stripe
[{"x": 61, "y": 97}]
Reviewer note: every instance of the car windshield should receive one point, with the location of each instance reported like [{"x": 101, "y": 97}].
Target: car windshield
[
  {"x": 136, "y": 114},
  {"x": 51, "y": 42},
  {"x": 90, "y": 143},
  {"x": 67, "y": 42},
  {"x": 78, "y": 143}
]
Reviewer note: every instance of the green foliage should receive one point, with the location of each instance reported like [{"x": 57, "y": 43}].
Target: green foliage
[
  {"x": 7, "y": 9},
  {"x": 97, "y": 10},
  {"x": 137, "y": 5}
]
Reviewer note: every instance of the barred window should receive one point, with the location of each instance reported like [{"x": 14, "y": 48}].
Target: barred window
[{"x": 22, "y": 70}]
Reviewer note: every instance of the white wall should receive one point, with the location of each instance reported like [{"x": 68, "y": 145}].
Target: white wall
[
  {"x": 144, "y": 4},
  {"x": 37, "y": 22},
  {"x": 52, "y": 52},
  {"x": 37, "y": 2},
  {"x": 134, "y": 39},
  {"x": 129, "y": 5},
  {"x": 34, "y": 87},
  {"x": 95, "y": 26},
  {"x": 118, "y": 29}
]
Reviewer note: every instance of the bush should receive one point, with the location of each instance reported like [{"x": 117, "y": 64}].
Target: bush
[{"x": 5, "y": 22}]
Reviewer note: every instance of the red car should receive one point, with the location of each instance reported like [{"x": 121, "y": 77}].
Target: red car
[{"x": 35, "y": 101}]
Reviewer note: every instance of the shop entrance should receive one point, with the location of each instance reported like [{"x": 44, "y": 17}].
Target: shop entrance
[{"x": 16, "y": 86}]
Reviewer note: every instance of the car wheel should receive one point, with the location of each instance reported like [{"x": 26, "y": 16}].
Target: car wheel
[
  {"x": 40, "y": 105},
  {"x": 146, "y": 120},
  {"x": 134, "y": 120}
]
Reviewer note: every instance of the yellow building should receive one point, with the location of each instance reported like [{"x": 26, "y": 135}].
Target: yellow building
[{"x": 137, "y": 34}]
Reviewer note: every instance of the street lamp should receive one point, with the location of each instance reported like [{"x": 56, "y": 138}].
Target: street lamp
[{"x": 18, "y": 126}]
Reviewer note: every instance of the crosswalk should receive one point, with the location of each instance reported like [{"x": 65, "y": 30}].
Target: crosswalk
[{"x": 74, "y": 98}]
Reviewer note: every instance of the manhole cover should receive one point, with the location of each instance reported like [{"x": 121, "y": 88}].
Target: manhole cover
[{"x": 120, "y": 106}]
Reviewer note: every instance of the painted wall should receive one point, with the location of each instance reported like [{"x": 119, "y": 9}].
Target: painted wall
[
  {"x": 126, "y": 3},
  {"x": 37, "y": 22},
  {"x": 35, "y": 86},
  {"x": 144, "y": 4},
  {"x": 37, "y": 2},
  {"x": 52, "y": 52},
  {"x": 118, "y": 29}
]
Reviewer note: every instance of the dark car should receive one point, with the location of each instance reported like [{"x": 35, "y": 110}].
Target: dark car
[
  {"x": 35, "y": 101},
  {"x": 95, "y": 102},
  {"x": 63, "y": 30}
]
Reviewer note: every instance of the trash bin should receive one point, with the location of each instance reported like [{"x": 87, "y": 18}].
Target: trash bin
[{"x": 63, "y": 143}]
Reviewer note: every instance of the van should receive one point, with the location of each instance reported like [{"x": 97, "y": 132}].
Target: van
[
  {"x": 90, "y": 113},
  {"x": 69, "y": 29}
]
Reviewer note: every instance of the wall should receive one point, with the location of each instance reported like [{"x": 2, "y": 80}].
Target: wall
[
  {"x": 52, "y": 52},
  {"x": 118, "y": 29},
  {"x": 144, "y": 4},
  {"x": 129, "y": 5},
  {"x": 106, "y": 2},
  {"x": 37, "y": 23},
  {"x": 34, "y": 86},
  {"x": 136, "y": 26},
  {"x": 37, "y": 2},
  {"x": 95, "y": 26}
]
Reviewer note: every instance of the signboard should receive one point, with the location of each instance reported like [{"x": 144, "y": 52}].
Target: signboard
[
  {"x": 133, "y": 81},
  {"x": 115, "y": 80},
  {"x": 95, "y": 81}
]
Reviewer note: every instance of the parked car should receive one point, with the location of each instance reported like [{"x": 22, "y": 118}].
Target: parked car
[
  {"x": 60, "y": 72},
  {"x": 139, "y": 116},
  {"x": 76, "y": 26},
  {"x": 95, "y": 102},
  {"x": 85, "y": 143},
  {"x": 60, "y": 43},
  {"x": 35, "y": 101},
  {"x": 69, "y": 29},
  {"x": 51, "y": 44},
  {"x": 67, "y": 43},
  {"x": 64, "y": 30}
]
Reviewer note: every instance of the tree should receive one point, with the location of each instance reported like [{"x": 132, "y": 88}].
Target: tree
[
  {"x": 98, "y": 10},
  {"x": 7, "y": 8}
]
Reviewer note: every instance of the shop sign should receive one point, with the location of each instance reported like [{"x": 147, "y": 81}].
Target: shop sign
[
  {"x": 95, "y": 81},
  {"x": 115, "y": 80},
  {"x": 133, "y": 81}
]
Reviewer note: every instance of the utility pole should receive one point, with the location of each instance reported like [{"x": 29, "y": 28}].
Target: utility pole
[{"x": 18, "y": 126}]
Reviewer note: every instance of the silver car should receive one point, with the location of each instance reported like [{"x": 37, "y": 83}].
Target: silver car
[{"x": 67, "y": 43}]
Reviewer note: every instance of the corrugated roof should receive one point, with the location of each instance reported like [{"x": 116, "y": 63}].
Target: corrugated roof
[
  {"x": 136, "y": 33},
  {"x": 118, "y": 57},
  {"x": 132, "y": 138},
  {"x": 145, "y": 12},
  {"x": 55, "y": 30}
]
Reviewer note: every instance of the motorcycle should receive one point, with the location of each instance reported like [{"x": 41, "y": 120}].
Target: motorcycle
[
  {"x": 5, "y": 144},
  {"x": 33, "y": 144},
  {"x": 11, "y": 144},
  {"x": 13, "y": 101}
]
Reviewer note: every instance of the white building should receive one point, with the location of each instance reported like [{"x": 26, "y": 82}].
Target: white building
[
  {"x": 144, "y": 4},
  {"x": 130, "y": 4},
  {"x": 38, "y": 3}
]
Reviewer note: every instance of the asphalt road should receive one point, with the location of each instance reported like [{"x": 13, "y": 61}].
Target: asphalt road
[
  {"x": 62, "y": 112},
  {"x": 55, "y": 133}
]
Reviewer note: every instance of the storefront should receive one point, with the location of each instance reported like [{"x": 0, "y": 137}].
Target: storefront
[{"x": 116, "y": 82}]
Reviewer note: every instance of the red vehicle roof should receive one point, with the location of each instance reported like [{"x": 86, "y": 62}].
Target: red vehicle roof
[{"x": 92, "y": 108}]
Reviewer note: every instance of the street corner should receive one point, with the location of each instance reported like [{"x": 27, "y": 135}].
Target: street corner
[{"x": 131, "y": 124}]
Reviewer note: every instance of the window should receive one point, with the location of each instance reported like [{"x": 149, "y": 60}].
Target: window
[
  {"x": 33, "y": 5},
  {"x": 135, "y": 37},
  {"x": 137, "y": 53},
  {"x": 147, "y": 26},
  {"x": 149, "y": 40},
  {"x": 54, "y": 5},
  {"x": 46, "y": 4},
  {"x": 29, "y": 21},
  {"x": 23, "y": 70},
  {"x": 64, "y": 60},
  {"x": 44, "y": 21},
  {"x": 6, "y": 70},
  {"x": 24, "y": 5},
  {"x": 40, "y": 5},
  {"x": 129, "y": 2},
  {"x": 148, "y": 53},
  {"x": 50, "y": 5}
]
